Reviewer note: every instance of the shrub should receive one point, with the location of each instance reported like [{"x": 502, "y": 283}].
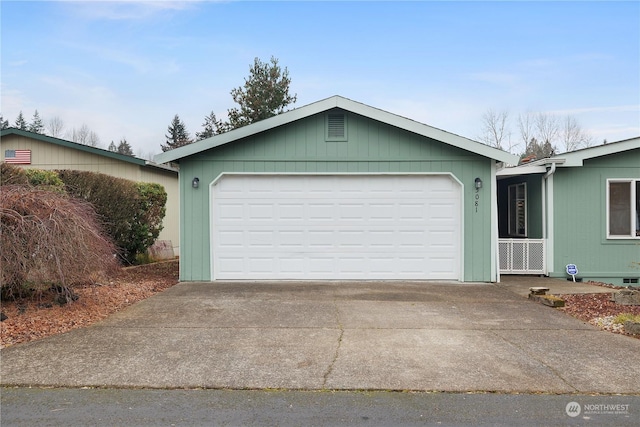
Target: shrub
[
  {"x": 132, "y": 212},
  {"x": 49, "y": 240},
  {"x": 12, "y": 175},
  {"x": 151, "y": 209},
  {"x": 45, "y": 179}
]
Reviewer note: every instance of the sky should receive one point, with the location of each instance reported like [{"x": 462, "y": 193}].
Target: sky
[{"x": 125, "y": 68}]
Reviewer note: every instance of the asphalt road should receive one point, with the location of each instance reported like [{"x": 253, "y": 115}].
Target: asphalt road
[{"x": 148, "y": 407}]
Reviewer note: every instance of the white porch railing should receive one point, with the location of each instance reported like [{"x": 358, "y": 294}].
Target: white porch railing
[{"x": 522, "y": 256}]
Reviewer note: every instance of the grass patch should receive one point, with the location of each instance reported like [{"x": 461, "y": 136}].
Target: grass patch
[{"x": 626, "y": 317}]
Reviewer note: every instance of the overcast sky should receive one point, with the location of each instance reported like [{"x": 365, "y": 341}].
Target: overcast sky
[{"x": 126, "y": 68}]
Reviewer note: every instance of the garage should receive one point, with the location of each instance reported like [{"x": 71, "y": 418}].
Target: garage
[
  {"x": 336, "y": 227},
  {"x": 338, "y": 190}
]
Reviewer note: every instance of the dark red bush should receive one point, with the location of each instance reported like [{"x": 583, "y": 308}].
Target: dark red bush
[{"x": 49, "y": 239}]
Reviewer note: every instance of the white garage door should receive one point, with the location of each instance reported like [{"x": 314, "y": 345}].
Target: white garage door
[{"x": 336, "y": 227}]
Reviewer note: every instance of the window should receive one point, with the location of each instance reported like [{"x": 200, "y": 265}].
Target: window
[
  {"x": 518, "y": 210},
  {"x": 623, "y": 208}
]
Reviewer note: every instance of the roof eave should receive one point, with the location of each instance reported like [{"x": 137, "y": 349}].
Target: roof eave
[
  {"x": 577, "y": 158},
  {"x": 536, "y": 167},
  {"x": 73, "y": 145},
  {"x": 154, "y": 165},
  {"x": 347, "y": 105},
  {"x": 245, "y": 131}
]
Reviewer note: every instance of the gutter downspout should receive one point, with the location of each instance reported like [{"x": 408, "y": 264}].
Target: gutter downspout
[
  {"x": 547, "y": 218},
  {"x": 495, "y": 254}
]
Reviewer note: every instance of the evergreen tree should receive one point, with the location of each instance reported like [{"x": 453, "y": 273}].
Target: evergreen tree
[
  {"x": 212, "y": 126},
  {"x": 36, "y": 125},
  {"x": 21, "y": 123},
  {"x": 178, "y": 135},
  {"x": 538, "y": 150},
  {"x": 4, "y": 124},
  {"x": 124, "y": 148},
  {"x": 112, "y": 147},
  {"x": 265, "y": 94}
]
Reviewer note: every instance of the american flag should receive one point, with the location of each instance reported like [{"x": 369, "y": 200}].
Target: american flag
[{"x": 18, "y": 157}]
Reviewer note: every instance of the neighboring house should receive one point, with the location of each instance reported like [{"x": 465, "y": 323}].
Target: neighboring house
[
  {"x": 338, "y": 190},
  {"x": 581, "y": 207},
  {"x": 33, "y": 150}
]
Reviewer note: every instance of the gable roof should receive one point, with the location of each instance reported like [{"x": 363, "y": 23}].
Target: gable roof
[
  {"x": 83, "y": 147},
  {"x": 572, "y": 158},
  {"x": 577, "y": 158},
  {"x": 347, "y": 105}
]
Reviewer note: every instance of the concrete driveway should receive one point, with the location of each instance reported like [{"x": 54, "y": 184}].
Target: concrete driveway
[{"x": 347, "y": 335}]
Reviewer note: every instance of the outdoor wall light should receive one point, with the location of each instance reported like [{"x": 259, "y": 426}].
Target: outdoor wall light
[
  {"x": 478, "y": 183},
  {"x": 196, "y": 182}
]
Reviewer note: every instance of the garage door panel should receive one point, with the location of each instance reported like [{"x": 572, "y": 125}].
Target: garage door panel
[
  {"x": 291, "y": 239},
  {"x": 292, "y": 211},
  {"x": 260, "y": 239},
  {"x": 321, "y": 265},
  {"x": 292, "y": 265},
  {"x": 336, "y": 227},
  {"x": 229, "y": 239},
  {"x": 321, "y": 211}
]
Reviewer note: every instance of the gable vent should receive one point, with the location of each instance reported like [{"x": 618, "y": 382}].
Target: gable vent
[{"x": 336, "y": 128}]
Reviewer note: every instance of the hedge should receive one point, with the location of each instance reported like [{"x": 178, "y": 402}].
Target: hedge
[{"x": 132, "y": 212}]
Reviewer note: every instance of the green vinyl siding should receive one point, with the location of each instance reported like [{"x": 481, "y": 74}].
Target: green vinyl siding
[
  {"x": 580, "y": 220},
  {"x": 301, "y": 147}
]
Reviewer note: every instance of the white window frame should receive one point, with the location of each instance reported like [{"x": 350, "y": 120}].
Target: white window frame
[
  {"x": 513, "y": 227},
  {"x": 634, "y": 221}
]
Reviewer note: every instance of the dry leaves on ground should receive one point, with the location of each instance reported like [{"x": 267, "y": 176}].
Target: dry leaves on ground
[{"x": 31, "y": 320}]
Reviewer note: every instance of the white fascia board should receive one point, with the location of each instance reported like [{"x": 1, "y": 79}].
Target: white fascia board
[
  {"x": 521, "y": 171},
  {"x": 245, "y": 131},
  {"x": 539, "y": 166},
  {"x": 345, "y": 104},
  {"x": 159, "y": 166},
  {"x": 428, "y": 131},
  {"x": 577, "y": 158}
]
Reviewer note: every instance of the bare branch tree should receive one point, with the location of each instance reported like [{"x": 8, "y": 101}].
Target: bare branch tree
[
  {"x": 495, "y": 131},
  {"x": 85, "y": 136},
  {"x": 93, "y": 139},
  {"x": 539, "y": 132},
  {"x": 146, "y": 155},
  {"x": 547, "y": 127},
  {"x": 55, "y": 127},
  {"x": 572, "y": 136},
  {"x": 525, "y": 126}
]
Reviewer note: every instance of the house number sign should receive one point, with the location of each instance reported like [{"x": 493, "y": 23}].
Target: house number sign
[{"x": 477, "y": 199}]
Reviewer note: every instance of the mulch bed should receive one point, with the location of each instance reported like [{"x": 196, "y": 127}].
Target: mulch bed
[
  {"x": 28, "y": 320},
  {"x": 598, "y": 310}
]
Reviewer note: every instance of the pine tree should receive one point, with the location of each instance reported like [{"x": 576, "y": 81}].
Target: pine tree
[
  {"x": 265, "y": 94},
  {"x": 112, "y": 147},
  {"x": 124, "y": 148},
  {"x": 21, "y": 123},
  {"x": 36, "y": 125},
  {"x": 4, "y": 124},
  {"x": 212, "y": 126},
  {"x": 178, "y": 135},
  {"x": 538, "y": 150}
]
